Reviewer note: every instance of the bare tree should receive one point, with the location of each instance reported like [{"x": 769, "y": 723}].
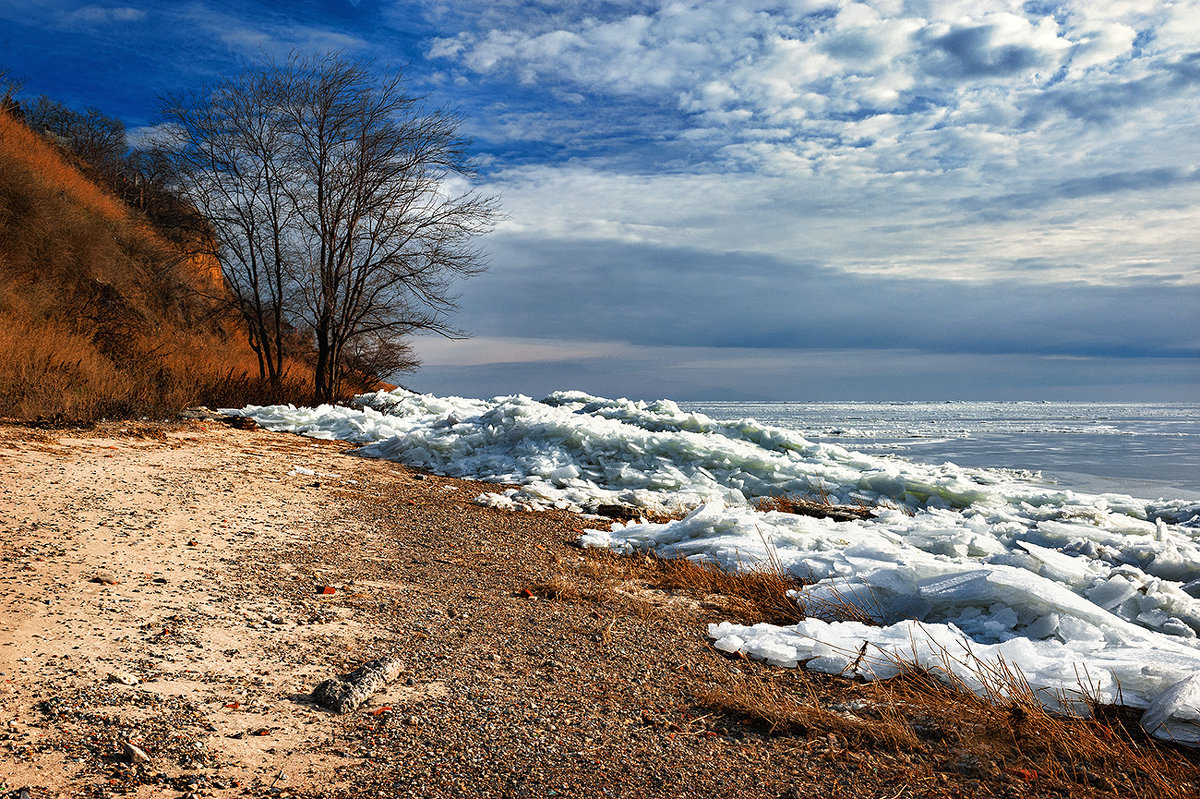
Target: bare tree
[
  {"x": 10, "y": 87},
  {"x": 331, "y": 194},
  {"x": 98, "y": 140},
  {"x": 230, "y": 157}
]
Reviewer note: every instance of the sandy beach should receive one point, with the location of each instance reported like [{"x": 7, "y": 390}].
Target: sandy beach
[{"x": 173, "y": 592}]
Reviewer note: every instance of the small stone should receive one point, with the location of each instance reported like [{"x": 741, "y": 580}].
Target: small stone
[
  {"x": 104, "y": 577},
  {"x": 135, "y": 754},
  {"x": 122, "y": 677}
]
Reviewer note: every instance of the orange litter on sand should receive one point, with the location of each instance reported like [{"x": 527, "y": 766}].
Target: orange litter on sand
[
  {"x": 380, "y": 711},
  {"x": 326, "y": 589},
  {"x": 232, "y": 705}
]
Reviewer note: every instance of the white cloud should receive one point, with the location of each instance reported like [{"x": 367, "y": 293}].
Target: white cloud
[
  {"x": 100, "y": 15},
  {"x": 1101, "y": 45},
  {"x": 935, "y": 225},
  {"x": 737, "y": 65},
  {"x": 873, "y": 137},
  {"x": 253, "y": 41}
]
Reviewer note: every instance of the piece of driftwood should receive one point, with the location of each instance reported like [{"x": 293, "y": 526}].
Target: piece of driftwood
[
  {"x": 344, "y": 694},
  {"x": 822, "y": 509}
]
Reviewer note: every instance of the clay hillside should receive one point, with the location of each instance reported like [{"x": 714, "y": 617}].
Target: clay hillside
[{"x": 104, "y": 311}]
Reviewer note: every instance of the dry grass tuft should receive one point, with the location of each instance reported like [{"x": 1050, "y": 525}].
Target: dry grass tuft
[
  {"x": 1011, "y": 727},
  {"x": 559, "y": 588},
  {"x": 761, "y": 593},
  {"x": 752, "y": 595},
  {"x": 782, "y": 712}
]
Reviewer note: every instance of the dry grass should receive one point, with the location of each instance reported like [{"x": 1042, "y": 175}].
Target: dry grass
[
  {"x": 1005, "y": 736},
  {"x": 1011, "y": 727},
  {"x": 645, "y": 583},
  {"x": 798, "y": 711},
  {"x": 19, "y": 142},
  {"x": 934, "y": 726}
]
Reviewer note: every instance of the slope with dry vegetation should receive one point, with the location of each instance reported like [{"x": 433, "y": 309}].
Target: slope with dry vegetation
[{"x": 101, "y": 315}]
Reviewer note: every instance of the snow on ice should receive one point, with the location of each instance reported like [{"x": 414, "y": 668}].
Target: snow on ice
[{"x": 962, "y": 566}]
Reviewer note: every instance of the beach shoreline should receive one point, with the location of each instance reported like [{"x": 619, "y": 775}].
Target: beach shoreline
[{"x": 181, "y": 587}]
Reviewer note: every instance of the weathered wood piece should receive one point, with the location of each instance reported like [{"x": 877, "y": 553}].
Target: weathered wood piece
[{"x": 346, "y": 693}]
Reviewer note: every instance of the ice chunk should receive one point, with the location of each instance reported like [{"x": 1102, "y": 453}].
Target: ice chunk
[
  {"x": 1112, "y": 592},
  {"x": 1174, "y": 715},
  {"x": 963, "y": 587}
]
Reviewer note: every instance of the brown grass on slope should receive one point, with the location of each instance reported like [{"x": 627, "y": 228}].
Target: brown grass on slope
[{"x": 99, "y": 315}]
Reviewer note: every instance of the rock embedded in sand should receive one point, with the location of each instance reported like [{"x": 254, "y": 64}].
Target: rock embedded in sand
[
  {"x": 122, "y": 677},
  {"x": 135, "y": 754}
]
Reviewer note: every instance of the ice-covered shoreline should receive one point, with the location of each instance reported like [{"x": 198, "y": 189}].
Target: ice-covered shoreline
[{"x": 1061, "y": 584}]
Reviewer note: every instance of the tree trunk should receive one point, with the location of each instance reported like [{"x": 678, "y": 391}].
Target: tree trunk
[{"x": 321, "y": 392}]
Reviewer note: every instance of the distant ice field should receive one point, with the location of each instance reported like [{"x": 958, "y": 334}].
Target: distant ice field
[
  {"x": 961, "y": 565},
  {"x": 1144, "y": 449}
]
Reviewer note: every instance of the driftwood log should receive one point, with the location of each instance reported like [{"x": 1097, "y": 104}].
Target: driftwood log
[{"x": 344, "y": 694}]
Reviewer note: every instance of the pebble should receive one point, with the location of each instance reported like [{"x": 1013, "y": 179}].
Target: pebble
[
  {"x": 135, "y": 754},
  {"x": 122, "y": 677}
]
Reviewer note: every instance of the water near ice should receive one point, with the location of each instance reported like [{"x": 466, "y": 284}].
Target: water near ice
[
  {"x": 963, "y": 563},
  {"x": 1135, "y": 448}
]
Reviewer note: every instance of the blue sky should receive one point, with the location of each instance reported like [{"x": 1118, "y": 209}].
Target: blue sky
[{"x": 785, "y": 199}]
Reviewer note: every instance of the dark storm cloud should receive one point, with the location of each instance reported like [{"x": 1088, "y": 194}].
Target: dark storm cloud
[
  {"x": 969, "y": 51},
  {"x": 1084, "y": 187},
  {"x": 658, "y": 296}
]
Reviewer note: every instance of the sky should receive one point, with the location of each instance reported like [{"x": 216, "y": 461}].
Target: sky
[{"x": 761, "y": 199}]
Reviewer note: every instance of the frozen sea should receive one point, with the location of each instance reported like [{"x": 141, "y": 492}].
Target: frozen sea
[
  {"x": 1063, "y": 539},
  {"x": 1144, "y": 449}
]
